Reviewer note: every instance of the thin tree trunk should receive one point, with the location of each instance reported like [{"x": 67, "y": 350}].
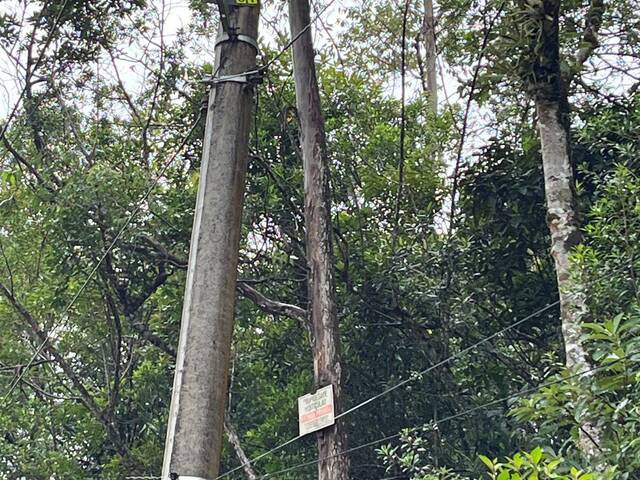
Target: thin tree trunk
[
  {"x": 322, "y": 304},
  {"x": 234, "y": 440},
  {"x": 564, "y": 227},
  {"x": 429, "y": 33},
  {"x": 562, "y": 212}
]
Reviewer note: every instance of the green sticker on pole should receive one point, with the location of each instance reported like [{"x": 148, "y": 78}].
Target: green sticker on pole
[{"x": 245, "y": 3}]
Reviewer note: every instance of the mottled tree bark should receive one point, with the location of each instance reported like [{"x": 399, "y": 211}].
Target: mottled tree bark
[
  {"x": 322, "y": 309},
  {"x": 562, "y": 211},
  {"x": 564, "y": 227}
]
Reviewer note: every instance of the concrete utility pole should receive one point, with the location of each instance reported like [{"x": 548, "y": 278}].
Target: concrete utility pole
[
  {"x": 196, "y": 419},
  {"x": 317, "y": 213}
]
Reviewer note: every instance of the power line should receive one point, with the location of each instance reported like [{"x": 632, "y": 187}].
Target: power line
[
  {"x": 436, "y": 424},
  {"x": 407, "y": 381},
  {"x": 402, "y": 383},
  {"x": 403, "y": 128},
  {"x": 432, "y": 426},
  {"x": 449, "y": 359},
  {"x": 93, "y": 271}
]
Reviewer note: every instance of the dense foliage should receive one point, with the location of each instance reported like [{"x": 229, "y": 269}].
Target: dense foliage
[{"x": 99, "y": 170}]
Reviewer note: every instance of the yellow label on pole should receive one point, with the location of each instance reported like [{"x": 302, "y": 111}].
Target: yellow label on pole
[{"x": 247, "y": 2}]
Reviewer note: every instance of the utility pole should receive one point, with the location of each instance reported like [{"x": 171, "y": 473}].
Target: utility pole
[
  {"x": 317, "y": 212},
  {"x": 196, "y": 418}
]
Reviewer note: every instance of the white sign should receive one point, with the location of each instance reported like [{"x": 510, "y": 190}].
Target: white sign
[{"x": 315, "y": 410}]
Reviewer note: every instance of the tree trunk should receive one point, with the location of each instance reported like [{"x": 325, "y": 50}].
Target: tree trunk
[
  {"x": 322, "y": 309},
  {"x": 564, "y": 227},
  {"x": 429, "y": 34},
  {"x": 234, "y": 440},
  {"x": 562, "y": 213}
]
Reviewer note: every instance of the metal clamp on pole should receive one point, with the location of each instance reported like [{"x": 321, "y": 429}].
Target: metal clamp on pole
[
  {"x": 250, "y": 78},
  {"x": 225, "y": 37}
]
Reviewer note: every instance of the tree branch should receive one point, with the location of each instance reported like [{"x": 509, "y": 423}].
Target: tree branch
[
  {"x": 266, "y": 304},
  {"x": 85, "y": 397},
  {"x": 590, "y": 41},
  {"x": 20, "y": 159},
  {"x": 234, "y": 440},
  {"x": 271, "y": 306}
]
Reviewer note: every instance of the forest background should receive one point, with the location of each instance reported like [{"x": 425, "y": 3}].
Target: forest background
[{"x": 440, "y": 240}]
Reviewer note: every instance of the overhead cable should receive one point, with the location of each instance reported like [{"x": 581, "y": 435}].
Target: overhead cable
[
  {"x": 411, "y": 379},
  {"x": 435, "y": 424}
]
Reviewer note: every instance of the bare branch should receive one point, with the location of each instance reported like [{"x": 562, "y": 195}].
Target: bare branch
[
  {"x": 234, "y": 440},
  {"x": 266, "y": 304},
  {"x": 271, "y": 306}
]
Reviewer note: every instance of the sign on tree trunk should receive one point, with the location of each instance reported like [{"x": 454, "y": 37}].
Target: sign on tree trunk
[{"x": 316, "y": 410}]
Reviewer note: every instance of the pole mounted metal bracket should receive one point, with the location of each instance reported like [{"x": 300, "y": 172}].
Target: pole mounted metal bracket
[
  {"x": 175, "y": 476},
  {"x": 253, "y": 77},
  {"x": 225, "y": 37}
]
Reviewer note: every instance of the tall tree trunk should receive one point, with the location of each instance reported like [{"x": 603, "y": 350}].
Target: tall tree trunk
[
  {"x": 317, "y": 211},
  {"x": 564, "y": 226},
  {"x": 562, "y": 213},
  {"x": 429, "y": 34}
]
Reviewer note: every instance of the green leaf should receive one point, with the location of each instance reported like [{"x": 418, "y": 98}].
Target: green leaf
[
  {"x": 504, "y": 475},
  {"x": 517, "y": 460},
  {"x": 536, "y": 455},
  {"x": 616, "y": 321},
  {"x": 488, "y": 462}
]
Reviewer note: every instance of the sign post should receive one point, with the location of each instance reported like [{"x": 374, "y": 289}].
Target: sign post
[{"x": 316, "y": 410}]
